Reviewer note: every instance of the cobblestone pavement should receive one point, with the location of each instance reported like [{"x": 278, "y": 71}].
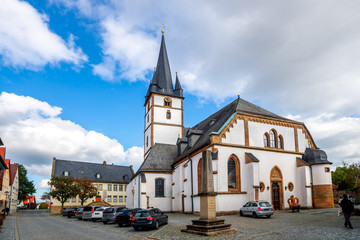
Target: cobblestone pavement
[{"x": 308, "y": 224}]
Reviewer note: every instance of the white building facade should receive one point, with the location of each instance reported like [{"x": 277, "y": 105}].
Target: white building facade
[{"x": 256, "y": 155}]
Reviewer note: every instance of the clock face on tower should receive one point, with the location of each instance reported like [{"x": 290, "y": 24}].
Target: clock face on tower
[{"x": 167, "y": 99}]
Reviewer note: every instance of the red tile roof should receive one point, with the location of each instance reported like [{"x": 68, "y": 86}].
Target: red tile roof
[{"x": 13, "y": 170}]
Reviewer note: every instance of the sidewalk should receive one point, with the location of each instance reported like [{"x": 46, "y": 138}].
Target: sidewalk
[{"x": 8, "y": 229}]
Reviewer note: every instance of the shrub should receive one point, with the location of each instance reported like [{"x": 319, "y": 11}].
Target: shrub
[{"x": 44, "y": 206}]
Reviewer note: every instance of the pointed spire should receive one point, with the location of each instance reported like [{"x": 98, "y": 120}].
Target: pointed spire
[
  {"x": 161, "y": 82},
  {"x": 178, "y": 89}
]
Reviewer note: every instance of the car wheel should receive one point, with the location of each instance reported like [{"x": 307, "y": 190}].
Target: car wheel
[
  {"x": 241, "y": 213},
  {"x": 156, "y": 224},
  {"x": 105, "y": 222},
  {"x": 254, "y": 215},
  {"x": 269, "y": 216},
  {"x": 136, "y": 228}
]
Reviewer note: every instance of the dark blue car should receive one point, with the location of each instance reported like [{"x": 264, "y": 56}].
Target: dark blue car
[{"x": 152, "y": 218}]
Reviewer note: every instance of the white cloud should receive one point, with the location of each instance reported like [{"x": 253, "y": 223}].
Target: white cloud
[
  {"x": 44, "y": 183},
  {"x": 34, "y": 133},
  {"x": 27, "y": 42}
]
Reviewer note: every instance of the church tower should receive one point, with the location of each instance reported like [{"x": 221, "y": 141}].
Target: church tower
[{"x": 163, "y": 105}]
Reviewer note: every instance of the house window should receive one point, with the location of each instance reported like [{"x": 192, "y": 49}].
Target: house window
[
  {"x": 159, "y": 187},
  {"x": 272, "y": 139},
  {"x": 115, "y": 199},
  {"x": 266, "y": 140},
  {"x": 98, "y": 175},
  {"x": 115, "y": 187},
  {"x": 100, "y": 187},
  {"x": 281, "y": 142},
  {"x": 66, "y": 173},
  {"x": 109, "y": 187},
  {"x": 120, "y": 198},
  {"x": 168, "y": 114},
  {"x": 96, "y": 186},
  {"x": 233, "y": 173},
  {"x": 109, "y": 199},
  {"x": 121, "y": 188},
  {"x": 327, "y": 169}
]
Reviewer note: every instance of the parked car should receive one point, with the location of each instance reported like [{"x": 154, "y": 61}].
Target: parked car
[
  {"x": 125, "y": 216},
  {"x": 79, "y": 213},
  {"x": 109, "y": 215},
  {"x": 88, "y": 211},
  {"x": 257, "y": 208},
  {"x": 152, "y": 218},
  {"x": 70, "y": 212},
  {"x": 64, "y": 212},
  {"x": 351, "y": 198},
  {"x": 98, "y": 214}
]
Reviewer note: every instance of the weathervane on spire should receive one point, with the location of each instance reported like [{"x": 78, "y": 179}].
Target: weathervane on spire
[{"x": 163, "y": 29}]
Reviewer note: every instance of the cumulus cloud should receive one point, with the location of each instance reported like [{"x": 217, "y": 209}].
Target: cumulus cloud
[
  {"x": 27, "y": 42},
  {"x": 34, "y": 133},
  {"x": 44, "y": 184}
]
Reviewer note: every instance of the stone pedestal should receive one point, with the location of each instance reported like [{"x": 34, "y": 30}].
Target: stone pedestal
[{"x": 208, "y": 224}]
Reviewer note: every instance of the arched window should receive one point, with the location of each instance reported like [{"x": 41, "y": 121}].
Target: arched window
[
  {"x": 272, "y": 139},
  {"x": 281, "y": 142},
  {"x": 233, "y": 173},
  {"x": 199, "y": 175},
  {"x": 266, "y": 140},
  {"x": 159, "y": 187}
]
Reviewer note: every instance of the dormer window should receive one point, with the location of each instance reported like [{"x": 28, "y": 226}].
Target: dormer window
[
  {"x": 167, "y": 102},
  {"x": 98, "y": 175},
  {"x": 66, "y": 173}
]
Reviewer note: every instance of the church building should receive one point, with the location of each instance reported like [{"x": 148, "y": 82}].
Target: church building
[{"x": 256, "y": 155}]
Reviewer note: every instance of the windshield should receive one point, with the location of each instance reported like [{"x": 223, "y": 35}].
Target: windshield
[
  {"x": 88, "y": 209},
  {"x": 109, "y": 210},
  {"x": 142, "y": 214},
  {"x": 264, "y": 204}
]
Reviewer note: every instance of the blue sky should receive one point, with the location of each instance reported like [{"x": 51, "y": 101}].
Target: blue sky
[{"x": 74, "y": 73}]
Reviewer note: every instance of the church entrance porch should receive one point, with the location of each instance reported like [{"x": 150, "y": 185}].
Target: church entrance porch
[{"x": 277, "y": 195}]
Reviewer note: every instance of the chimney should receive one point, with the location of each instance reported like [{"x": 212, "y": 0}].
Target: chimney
[{"x": 104, "y": 163}]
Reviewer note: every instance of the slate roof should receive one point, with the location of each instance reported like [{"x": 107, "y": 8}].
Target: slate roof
[
  {"x": 215, "y": 122},
  {"x": 13, "y": 170},
  {"x": 160, "y": 159},
  {"x": 108, "y": 172},
  {"x": 161, "y": 82},
  {"x": 315, "y": 156}
]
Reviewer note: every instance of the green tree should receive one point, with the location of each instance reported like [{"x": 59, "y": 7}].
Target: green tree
[
  {"x": 45, "y": 196},
  {"x": 353, "y": 177},
  {"x": 62, "y": 189},
  {"x": 85, "y": 189},
  {"x": 339, "y": 177},
  {"x": 26, "y": 187}
]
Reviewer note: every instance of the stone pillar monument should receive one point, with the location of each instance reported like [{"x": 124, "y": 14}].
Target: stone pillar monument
[{"x": 208, "y": 224}]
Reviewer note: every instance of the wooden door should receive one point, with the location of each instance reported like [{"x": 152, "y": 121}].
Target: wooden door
[
  {"x": 182, "y": 203},
  {"x": 276, "y": 196}
]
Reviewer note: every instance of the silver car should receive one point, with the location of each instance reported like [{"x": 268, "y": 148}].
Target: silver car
[
  {"x": 110, "y": 214},
  {"x": 88, "y": 212},
  {"x": 257, "y": 208}
]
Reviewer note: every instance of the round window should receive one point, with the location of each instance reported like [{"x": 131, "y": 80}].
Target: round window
[
  {"x": 262, "y": 187},
  {"x": 290, "y": 186}
]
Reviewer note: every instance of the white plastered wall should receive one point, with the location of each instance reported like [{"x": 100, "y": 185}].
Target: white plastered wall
[
  {"x": 320, "y": 177},
  {"x": 175, "y": 102},
  {"x": 257, "y": 131},
  {"x": 166, "y": 134},
  {"x": 236, "y": 135},
  {"x": 164, "y": 203}
]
